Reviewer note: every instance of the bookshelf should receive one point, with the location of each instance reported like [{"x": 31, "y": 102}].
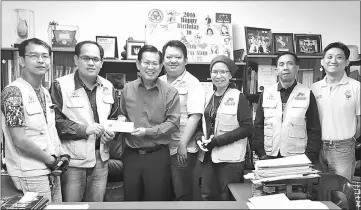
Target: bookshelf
[
  {"x": 307, "y": 64},
  {"x": 63, "y": 63}
]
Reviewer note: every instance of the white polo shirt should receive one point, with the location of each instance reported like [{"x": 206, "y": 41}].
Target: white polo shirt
[
  {"x": 191, "y": 103},
  {"x": 338, "y": 107}
]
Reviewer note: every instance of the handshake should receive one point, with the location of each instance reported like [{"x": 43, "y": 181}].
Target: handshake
[
  {"x": 60, "y": 165},
  {"x": 206, "y": 144}
]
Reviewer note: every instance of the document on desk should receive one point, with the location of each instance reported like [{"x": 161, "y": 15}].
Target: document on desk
[
  {"x": 275, "y": 201},
  {"x": 119, "y": 126},
  {"x": 308, "y": 204},
  {"x": 291, "y": 161}
]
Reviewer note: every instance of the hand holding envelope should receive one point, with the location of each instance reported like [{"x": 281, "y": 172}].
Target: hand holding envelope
[
  {"x": 119, "y": 126},
  {"x": 203, "y": 144},
  {"x": 107, "y": 136}
]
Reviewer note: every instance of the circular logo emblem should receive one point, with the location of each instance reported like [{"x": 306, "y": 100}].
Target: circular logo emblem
[{"x": 155, "y": 15}]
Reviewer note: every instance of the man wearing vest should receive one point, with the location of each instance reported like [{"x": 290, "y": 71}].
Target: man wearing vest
[
  {"x": 287, "y": 121},
  {"x": 183, "y": 148},
  {"x": 32, "y": 145},
  {"x": 87, "y": 100}
]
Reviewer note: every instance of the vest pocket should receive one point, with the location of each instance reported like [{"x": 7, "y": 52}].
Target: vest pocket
[
  {"x": 230, "y": 152},
  {"x": 108, "y": 99},
  {"x": 76, "y": 149},
  {"x": 297, "y": 139},
  {"x": 29, "y": 164},
  {"x": 38, "y": 137},
  {"x": 268, "y": 139}
]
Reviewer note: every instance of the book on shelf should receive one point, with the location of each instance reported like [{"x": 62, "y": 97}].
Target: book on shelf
[
  {"x": 58, "y": 71},
  {"x": 253, "y": 83},
  {"x": 254, "y": 109},
  {"x": 67, "y": 70}
]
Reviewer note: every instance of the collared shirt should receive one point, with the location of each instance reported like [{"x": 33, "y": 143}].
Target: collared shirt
[
  {"x": 157, "y": 109},
  {"x": 312, "y": 124},
  {"x": 285, "y": 93},
  {"x": 68, "y": 129},
  {"x": 338, "y": 107},
  {"x": 191, "y": 102},
  {"x": 195, "y": 96}
]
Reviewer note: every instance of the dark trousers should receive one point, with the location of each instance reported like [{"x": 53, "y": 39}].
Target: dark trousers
[
  {"x": 182, "y": 177},
  {"x": 146, "y": 176},
  {"x": 216, "y": 177}
]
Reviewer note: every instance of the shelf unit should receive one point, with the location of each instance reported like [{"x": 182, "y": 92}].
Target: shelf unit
[
  {"x": 306, "y": 62},
  {"x": 62, "y": 58}
]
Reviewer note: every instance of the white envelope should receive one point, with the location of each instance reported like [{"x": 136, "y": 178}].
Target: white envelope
[{"x": 119, "y": 126}]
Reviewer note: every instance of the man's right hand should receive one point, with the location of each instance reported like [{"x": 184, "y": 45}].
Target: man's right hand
[{"x": 94, "y": 128}]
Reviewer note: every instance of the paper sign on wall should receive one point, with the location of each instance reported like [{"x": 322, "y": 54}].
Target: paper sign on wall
[{"x": 204, "y": 36}]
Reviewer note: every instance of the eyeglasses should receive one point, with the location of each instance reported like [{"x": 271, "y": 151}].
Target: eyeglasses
[
  {"x": 222, "y": 72},
  {"x": 87, "y": 59},
  {"x": 35, "y": 57},
  {"x": 155, "y": 65}
]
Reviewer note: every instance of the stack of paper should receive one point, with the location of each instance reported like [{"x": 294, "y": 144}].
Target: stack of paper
[
  {"x": 280, "y": 201},
  {"x": 298, "y": 166}
]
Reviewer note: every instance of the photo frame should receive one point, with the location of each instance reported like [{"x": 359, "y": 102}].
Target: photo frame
[
  {"x": 63, "y": 37},
  {"x": 117, "y": 79},
  {"x": 283, "y": 42},
  {"x": 308, "y": 44},
  {"x": 110, "y": 46},
  {"x": 238, "y": 54},
  {"x": 258, "y": 41},
  {"x": 133, "y": 47}
]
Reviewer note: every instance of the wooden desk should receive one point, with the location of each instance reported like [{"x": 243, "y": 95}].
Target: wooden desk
[
  {"x": 163, "y": 205},
  {"x": 243, "y": 191}
]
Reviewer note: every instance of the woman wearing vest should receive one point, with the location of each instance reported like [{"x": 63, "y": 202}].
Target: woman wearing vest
[{"x": 227, "y": 122}]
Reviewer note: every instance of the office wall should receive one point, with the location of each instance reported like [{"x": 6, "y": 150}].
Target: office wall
[{"x": 336, "y": 21}]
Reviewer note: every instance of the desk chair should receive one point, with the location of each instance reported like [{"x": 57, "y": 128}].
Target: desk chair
[
  {"x": 333, "y": 182},
  {"x": 115, "y": 191}
]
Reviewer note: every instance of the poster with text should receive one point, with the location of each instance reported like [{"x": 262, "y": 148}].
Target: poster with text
[{"x": 205, "y": 35}]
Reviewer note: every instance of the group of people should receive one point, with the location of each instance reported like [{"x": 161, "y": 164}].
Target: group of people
[{"x": 56, "y": 143}]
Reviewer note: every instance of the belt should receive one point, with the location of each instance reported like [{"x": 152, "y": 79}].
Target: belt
[
  {"x": 338, "y": 141},
  {"x": 144, "y": 151}
]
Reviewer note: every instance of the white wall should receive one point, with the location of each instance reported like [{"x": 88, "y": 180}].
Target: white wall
[{"x": 335, "y": 21}]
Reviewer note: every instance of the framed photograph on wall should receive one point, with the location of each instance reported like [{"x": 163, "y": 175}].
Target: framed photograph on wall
[
  {"x": 308, "y": 44},
  {"x": 117, "y": 79},
  {"x": 283, "y": 42},
  {"x": 110, "y": 46},
  {"x": 133, "y": 47},
  {"x": 258, "y": 41}
]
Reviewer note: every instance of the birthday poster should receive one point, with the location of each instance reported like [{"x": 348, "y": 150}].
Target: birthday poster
[{"x": 205, "y": 35}]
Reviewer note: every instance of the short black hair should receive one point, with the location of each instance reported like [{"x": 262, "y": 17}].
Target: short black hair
[
  {"x": 36, "y": 41},
  {"x": 80, "y": 44},
  {"x": 176, "y": 44},
  {"x": 297, "y": 60},
  {"x": 149, "y": 48},
  {"x": 338, "y": 45}
]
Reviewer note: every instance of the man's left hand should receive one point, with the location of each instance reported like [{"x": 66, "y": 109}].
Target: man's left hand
[
  {"x": 107, "y": 136},
  {"x": 140, "y": 132},
  {"x": 182, "y": 153}
]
